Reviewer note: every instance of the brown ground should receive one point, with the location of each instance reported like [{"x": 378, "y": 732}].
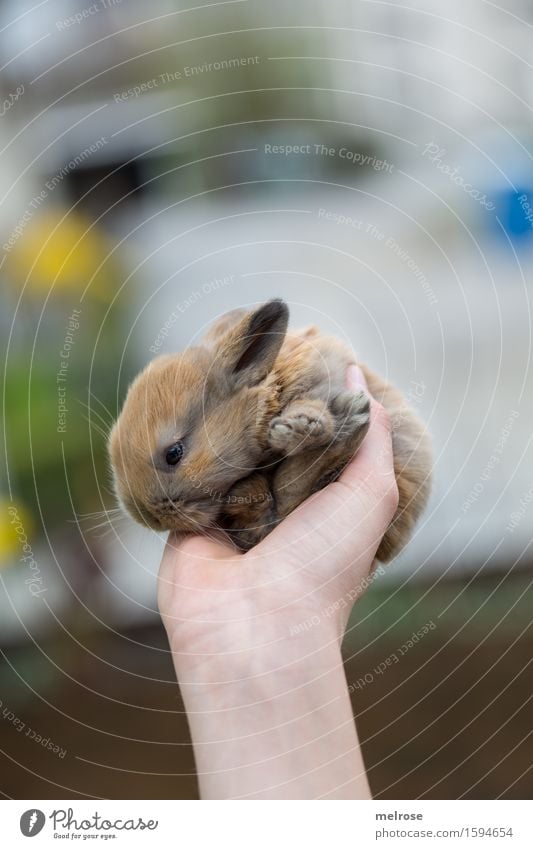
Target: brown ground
[{"x": 452, "y": 718}]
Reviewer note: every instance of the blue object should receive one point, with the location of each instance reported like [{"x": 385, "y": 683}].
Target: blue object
[{"x": 515, "y": 211}]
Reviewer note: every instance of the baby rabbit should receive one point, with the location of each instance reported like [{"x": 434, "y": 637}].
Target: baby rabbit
[{"x": 236, "y": 432}]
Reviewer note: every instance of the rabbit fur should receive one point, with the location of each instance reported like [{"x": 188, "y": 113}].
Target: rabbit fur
[{"x": 262, "y": 419}]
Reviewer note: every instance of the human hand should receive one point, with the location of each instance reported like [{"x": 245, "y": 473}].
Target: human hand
[{"x": 316, "y": 560}]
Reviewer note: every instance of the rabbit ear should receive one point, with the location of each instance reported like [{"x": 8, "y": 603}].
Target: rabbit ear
[
  {"x": 248, "y": 351},
  {"x": 220, "y": 327}
]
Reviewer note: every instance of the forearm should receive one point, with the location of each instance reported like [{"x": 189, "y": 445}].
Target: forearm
[
  {"x": 274, "y": 722},
  {"x": 267, "y": 704}
]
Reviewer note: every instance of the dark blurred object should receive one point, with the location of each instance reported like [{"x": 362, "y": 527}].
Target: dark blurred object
[{"x": 102, "y": 190}]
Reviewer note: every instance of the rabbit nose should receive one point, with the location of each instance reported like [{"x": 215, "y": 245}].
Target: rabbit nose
[{"x": 167, "y": 503}]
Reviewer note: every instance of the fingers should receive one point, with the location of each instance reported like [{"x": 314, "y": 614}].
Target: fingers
[
  {"x": 190, "y": 563},
  {"x": 373, "y": 465},
  {"x": 214, "y": 547},
  {"x": 349, "y": 517}
]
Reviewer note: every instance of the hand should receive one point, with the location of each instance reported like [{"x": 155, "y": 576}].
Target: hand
[
  {"x": 317, "y": 557},
  {"x": 252, "y": 631}
]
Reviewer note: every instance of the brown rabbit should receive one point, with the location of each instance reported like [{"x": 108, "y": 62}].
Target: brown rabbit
[{"x": 238, "y": 431}]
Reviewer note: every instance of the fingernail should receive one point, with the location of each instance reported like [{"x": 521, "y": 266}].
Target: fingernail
[{"x": 355, "y": 378}]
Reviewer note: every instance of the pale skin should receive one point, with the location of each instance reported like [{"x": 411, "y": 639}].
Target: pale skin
[{"x": 256, "y": 637}]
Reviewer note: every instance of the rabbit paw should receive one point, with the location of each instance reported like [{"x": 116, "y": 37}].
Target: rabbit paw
[
  {"x": 300, "y": 427},
  {"x": 352, "y": 413}
]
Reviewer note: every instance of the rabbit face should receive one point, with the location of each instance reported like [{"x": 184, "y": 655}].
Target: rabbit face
[{"x": 193, "y": 424}]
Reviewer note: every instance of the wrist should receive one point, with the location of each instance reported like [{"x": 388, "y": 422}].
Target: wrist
[
  {"x": 255, "y": 651},
  {"x": 274, "y": 722},
  {"x": 267, "y": 702}
]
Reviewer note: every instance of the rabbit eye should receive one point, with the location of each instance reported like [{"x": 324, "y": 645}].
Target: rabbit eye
[{"x": 174, "y": 454}]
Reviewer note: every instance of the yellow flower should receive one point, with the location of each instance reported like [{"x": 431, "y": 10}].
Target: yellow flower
[
  {"x": 64, "y": 250},
  {"x": 15, "y": 530}
]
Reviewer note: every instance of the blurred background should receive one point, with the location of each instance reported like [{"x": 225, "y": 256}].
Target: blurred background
[{"x": 370, "y": 163}]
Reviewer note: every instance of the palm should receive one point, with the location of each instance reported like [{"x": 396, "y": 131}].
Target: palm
[{"x": 296, "y": 573}]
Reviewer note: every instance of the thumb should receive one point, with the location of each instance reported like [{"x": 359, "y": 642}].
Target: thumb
[
  {"x": 373, "y": 465},
  {"x": 352, "y": 513}
]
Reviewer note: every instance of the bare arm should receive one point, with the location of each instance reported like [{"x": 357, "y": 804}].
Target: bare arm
[{"x": 257, "y": 657}]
